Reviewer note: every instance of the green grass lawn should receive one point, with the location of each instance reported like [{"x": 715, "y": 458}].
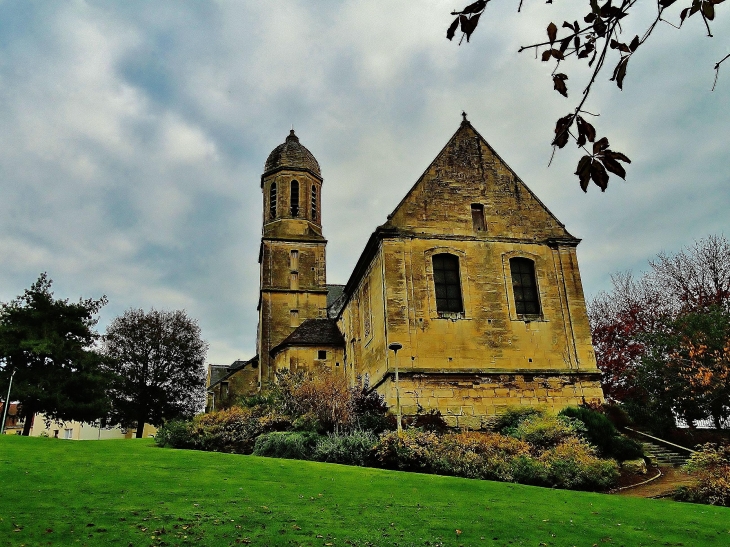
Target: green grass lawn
[{"x": 131, "y": 493}]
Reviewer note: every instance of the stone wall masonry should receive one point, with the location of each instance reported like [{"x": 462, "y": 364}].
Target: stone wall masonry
[{"x": 473, "y": 400}]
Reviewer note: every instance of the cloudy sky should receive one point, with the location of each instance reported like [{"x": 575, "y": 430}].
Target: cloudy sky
[{"x": 133, "y": 135}]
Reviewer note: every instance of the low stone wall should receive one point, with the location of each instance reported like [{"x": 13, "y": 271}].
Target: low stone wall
[{"x": 473, "y": 400}]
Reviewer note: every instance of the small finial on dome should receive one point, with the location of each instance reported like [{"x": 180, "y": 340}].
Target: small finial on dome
[{"x": 292, "y": 136}]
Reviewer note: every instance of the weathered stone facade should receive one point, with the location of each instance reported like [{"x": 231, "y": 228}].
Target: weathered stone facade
[
  {"x": 292, "y": 256},
  {"x": 471, "y": 275}
]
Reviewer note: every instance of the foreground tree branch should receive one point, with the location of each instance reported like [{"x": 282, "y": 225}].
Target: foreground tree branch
[{"x": 592, "y": 43}]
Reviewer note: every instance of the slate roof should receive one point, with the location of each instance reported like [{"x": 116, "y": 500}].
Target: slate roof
[
  {"x": 292, "y": 155},
  {"x": 335, "y": 299},
  {"x": 217, "y": 372},
  {"x": 229, "y": 370},
  {"x": 313, "y": 332}
]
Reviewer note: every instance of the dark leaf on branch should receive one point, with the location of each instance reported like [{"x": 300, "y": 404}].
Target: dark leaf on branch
[
  {"x": 576, "y": 26},
  {"x": 590, "y": 18},
  {"x": 594, "y": 7},
  {"x": 584, "y": 172},
  {"x": 452, "y": 29},
  {"x": 568, "y": 25},
  {"x": 606, "y": 9},
  {"x": 557, "y": 54},
  {"x": 546, "y": 55},
  {"x": 564, "y": 44},
  {"x": 559, "y": 84},
  {"x": 599, "y": 175},
  {"x": 696, "y": 6},
  {"x": 600, "y": 145},
  {"x": 586, "y": 51},
  {"x": 561, "y": 131},
  {"x": 587, "y": 129},
  {"x": 620, "y": 46},
  {"x": 683, "y": 15},
  {"x": 634, "y": 43},
  {"x": 552, "y": 32},
  {"x": 620, "y": 72},
  {"x": 708, "y": 9},
  {"x": 666, "y": 3},
  {"x": 576, "y": 42},
  {"x": 468, "y": 24},
  {"x": 616, "y": 156},
  {"x": 614, "y": 167},
  {"x": 600, "y": 27},
  {"x": 590, "y": 63},
  {"x": 477, "y": 6}
]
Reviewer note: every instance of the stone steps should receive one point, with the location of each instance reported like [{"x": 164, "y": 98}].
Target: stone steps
[{"x": 662, "y": 455}]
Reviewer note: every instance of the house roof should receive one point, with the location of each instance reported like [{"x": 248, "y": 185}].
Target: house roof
[
  {"x": 231, "y": 369},
  {"x": 313, "y": 332},
  {"x": 292, "y": 155}
]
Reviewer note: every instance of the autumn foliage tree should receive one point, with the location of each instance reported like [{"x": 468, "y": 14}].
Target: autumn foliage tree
[
  {"x": 593, "y": 37},
  {"x": 662, "y": 340}
]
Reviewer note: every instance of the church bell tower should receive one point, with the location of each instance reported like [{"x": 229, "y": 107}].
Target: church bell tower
[{"x": 292, "y": 255}]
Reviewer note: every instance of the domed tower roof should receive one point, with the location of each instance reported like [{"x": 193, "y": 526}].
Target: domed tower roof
[{"x": 292, "y": 155}]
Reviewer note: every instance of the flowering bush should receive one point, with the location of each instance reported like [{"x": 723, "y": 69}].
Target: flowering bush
[{"x": 710, "y": 467}]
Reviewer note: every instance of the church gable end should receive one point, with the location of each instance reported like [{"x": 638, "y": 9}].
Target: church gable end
[{"x": 468, "y": 190}]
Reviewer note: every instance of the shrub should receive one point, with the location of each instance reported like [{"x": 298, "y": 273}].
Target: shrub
[
  {"x": 573, "y": 464},
  {"x": 477, "y": 455},
  {"x": 544, "y": 432},
  {"x": 513, "y": 416},
  {"x": 710, "y": 467},
  {"x": 175, "y": 434},
  {"x": 409, "y": 451},
  {"x": 369, "y": 411},
  {"x": 428, "y": 421},
  {"x": 528, "y": 470},
  {"x": 352, "y": 448},
  {"x": 616, "y": 415},
  {"x": 622, "y": 449},
  {"x": 235, "y": 429},
  {"x": 601, "y": 433},
  {"x": 286, "y": 444}
]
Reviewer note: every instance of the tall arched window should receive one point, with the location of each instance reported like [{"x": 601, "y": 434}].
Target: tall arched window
[
  {"x": 314, "y": 203},
  {"x": 524, "y": 286},
  {"x": 272, "y": 201},
  {"x": 294, "y": 198},
  {"x": 447, "y": 280}
]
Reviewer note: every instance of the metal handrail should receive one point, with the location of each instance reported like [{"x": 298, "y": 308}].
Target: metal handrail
[{"x": 662, "y": 441}]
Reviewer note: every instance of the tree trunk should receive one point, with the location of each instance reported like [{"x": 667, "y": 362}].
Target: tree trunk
[
  {"x": 140, "y": 428},
  {"x": 28, "y": 423}
]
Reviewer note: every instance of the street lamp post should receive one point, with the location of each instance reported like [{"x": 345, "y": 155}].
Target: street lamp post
[
  {"x": 395, "y": 346},
  {"x": 7, "y": 403}
]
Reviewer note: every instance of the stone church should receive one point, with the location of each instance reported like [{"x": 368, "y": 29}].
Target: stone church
[{"x": 471, "y": 279}]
